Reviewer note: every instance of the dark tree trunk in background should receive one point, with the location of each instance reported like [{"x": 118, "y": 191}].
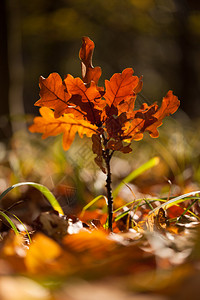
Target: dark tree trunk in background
[
  {"x": 16, "y": 68},
  {"x": 190, "y": 90},
  {"x": 5, "y": 129}
]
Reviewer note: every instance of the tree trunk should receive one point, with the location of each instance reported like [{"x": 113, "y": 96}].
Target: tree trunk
[
  {"x": 190, "y": 89},
  {"x": 5, "y": 128},
  {"x": 16, "y": 68}
]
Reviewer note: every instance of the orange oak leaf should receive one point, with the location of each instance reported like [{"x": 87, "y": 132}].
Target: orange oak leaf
[
  {"x": 89, "y": 100},
  {"x": 67, "y": 124},
  {"x": 53, "y": 94},
  {"x": 76, "y": 86},
  {"x": 149, "y": 118},
  {"x": 89, "y": 73},
  {"x": 129, "y": 104},
  {"x": 120, "y": 87},
  {"x": 169, "y": 106}
]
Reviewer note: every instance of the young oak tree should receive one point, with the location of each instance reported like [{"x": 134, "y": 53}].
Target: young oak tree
[{"x": 107, "y": 115}]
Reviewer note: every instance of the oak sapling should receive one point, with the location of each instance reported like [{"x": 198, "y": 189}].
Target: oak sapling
[{"x": 104, "y": 114}]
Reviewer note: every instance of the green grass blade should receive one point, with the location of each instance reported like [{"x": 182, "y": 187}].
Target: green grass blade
[
  {"x": 44, "y": 190},
  {"x": 146, "y": 166},
  {"x": 122, "y": 215},
  {"x": 9, "y": 221},
  {"x": 124, "y": 205},
  {"x": 30, "y": 240},
  {"x": 187, "y": 210},
  {"x": 91, "y": 203},
  {"x": 150, "y": 200},
  {"x": 174, "y": 201}
]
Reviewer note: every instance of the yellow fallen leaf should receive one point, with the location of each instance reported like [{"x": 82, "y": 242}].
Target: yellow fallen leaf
[{"x": 42, "y": 254}]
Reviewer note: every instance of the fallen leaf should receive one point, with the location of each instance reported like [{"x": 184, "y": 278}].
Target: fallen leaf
[{"x": 42, "y": 256}]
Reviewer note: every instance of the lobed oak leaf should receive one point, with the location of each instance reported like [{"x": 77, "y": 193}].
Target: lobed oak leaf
[
  {"x": 149, "y": 118},
  {"x": 67, "y": 124},
  {"x": 89, "y": 73},
  {"x": 120, "y": 87},
  {"x": 141, "y": 120},
  {"x": 53, "y": 94},
  {"x": 169, "y": 106},
  {"x": 88, "y": 99},
  {"x": 76, "y": 86},
  {"x": 127, "y": 106}
]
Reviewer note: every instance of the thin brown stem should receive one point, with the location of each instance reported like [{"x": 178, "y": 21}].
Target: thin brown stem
[{"x": 107, "y": 157}]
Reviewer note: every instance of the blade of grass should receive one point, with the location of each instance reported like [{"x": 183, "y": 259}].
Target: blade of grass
[
  {"x": 122, "y": 215},
  {"x": 175, "y": 201},
  {"x": 146, "y": 166},
  {"x": 137, "y": 206},
  {"x": 186, "y": 210},
  {"x": 91, "y": 203},
  {"x": 22, "y": 225},
  {"x": 151, "y": 200},
  {"x": 148, "y": 203},
  {"x": 44, "y": 190},
  {"x": 10, "y": 222}
]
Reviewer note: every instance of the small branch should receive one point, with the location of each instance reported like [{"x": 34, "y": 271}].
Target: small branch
[
  {"x": 107, "y": 158},
  {"x": 107, "y": 155}
]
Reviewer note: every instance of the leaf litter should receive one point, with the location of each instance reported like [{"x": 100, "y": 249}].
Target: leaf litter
[{"x": 147, "y": 257}]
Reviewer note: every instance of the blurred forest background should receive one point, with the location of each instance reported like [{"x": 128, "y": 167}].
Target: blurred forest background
[{"x": 159, "y": 39}]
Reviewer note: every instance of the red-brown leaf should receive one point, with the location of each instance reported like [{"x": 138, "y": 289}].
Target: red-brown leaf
[
  {"x": 114, "y": 125},
  {"x": 118, "y": 146},
  {"x": 89, "y": 73},
  {"x": 97, "y": 149},
  {"x": 96, "y": 144}
]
